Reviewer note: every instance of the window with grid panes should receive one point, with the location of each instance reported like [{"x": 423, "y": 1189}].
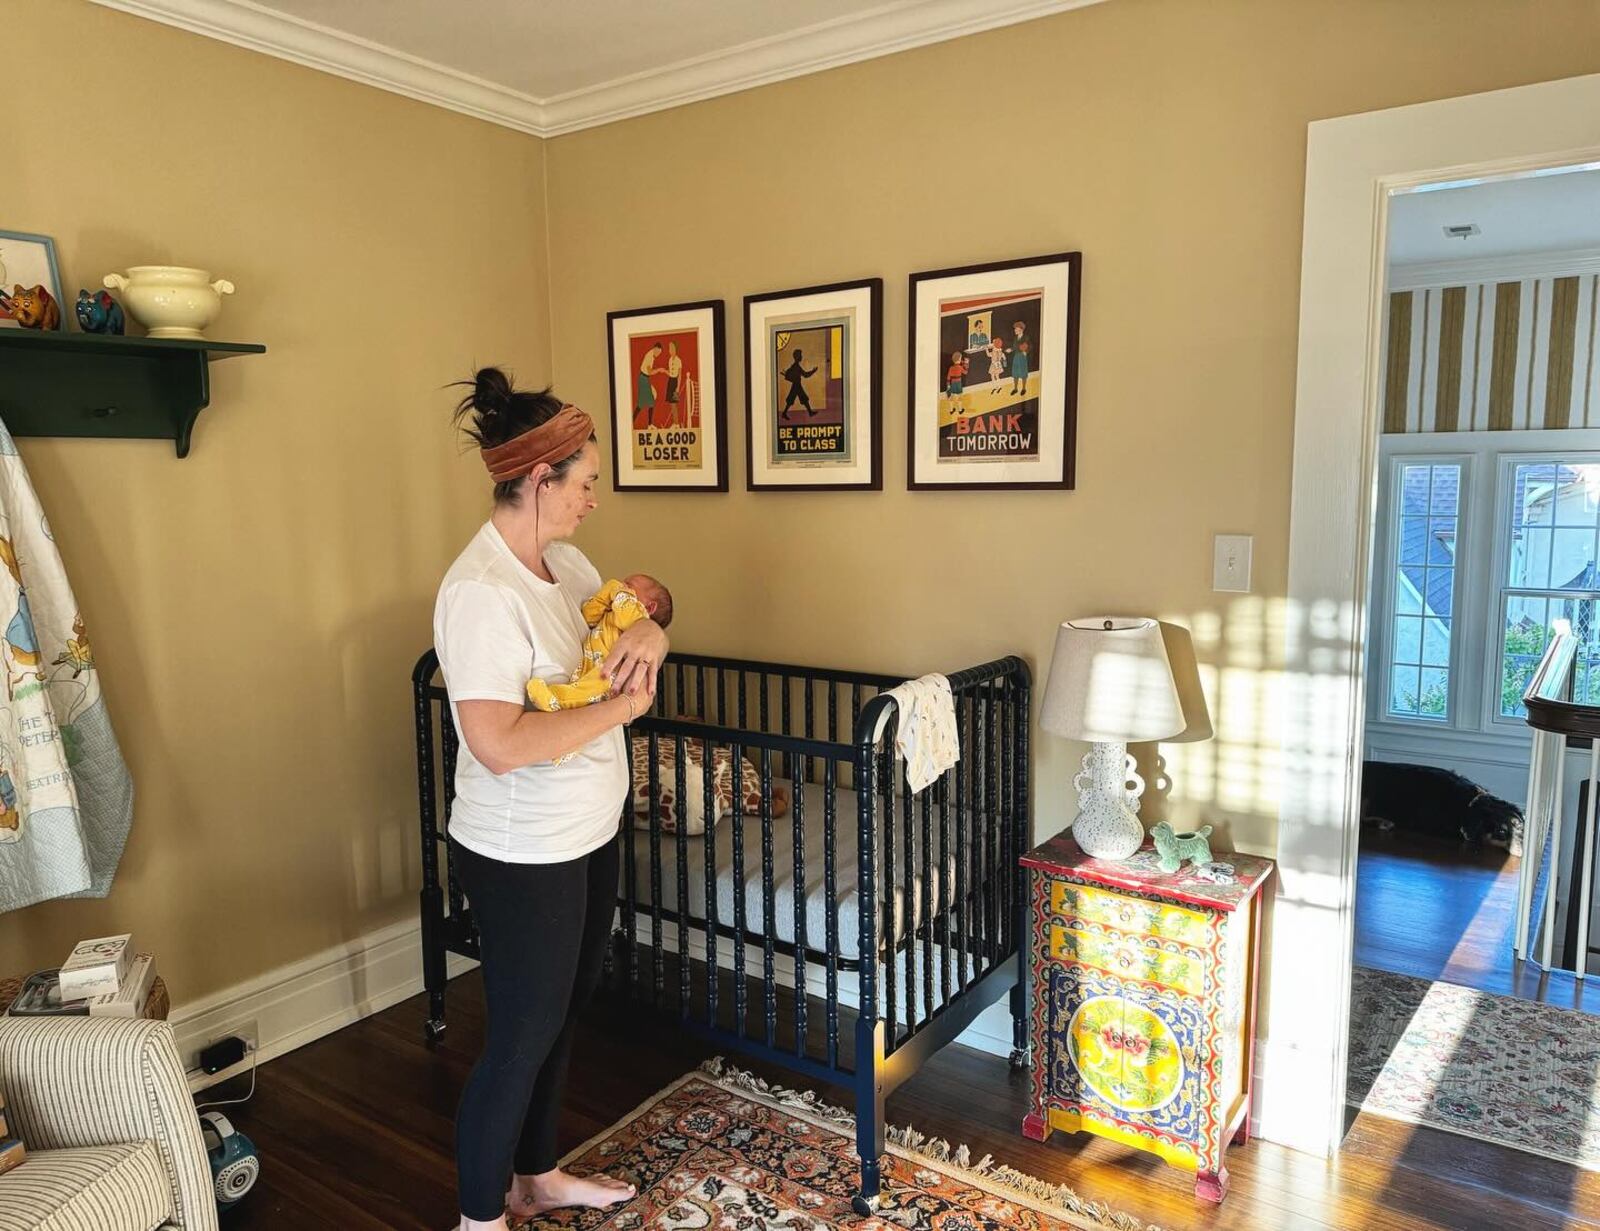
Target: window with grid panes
[
  {"x": 1552, "y": 541},
  {"x": 1427, "y": 515}
]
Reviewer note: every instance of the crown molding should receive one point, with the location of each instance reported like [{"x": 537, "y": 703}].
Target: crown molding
[
  {"x": 877, "y": 32},
  {"x": 272, "y": 33},
  {"x": 844, "y": 40},
  {"x": 1429, "y": 274}
]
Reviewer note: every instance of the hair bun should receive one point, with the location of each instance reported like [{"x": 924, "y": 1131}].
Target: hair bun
[{"x": 491, "y": 391}]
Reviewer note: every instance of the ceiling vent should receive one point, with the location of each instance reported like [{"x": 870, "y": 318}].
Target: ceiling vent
[{"x": 1462, "y": 230}]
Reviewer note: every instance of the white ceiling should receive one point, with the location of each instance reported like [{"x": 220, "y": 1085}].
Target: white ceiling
[
  {"x": 548, "y": 48},
  {"x": 1532, "y": 214},
  {"x": 553, "y": 66}
]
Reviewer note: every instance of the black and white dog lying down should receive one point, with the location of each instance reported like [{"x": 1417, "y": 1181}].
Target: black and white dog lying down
[{"x": 1437, "y": 802}]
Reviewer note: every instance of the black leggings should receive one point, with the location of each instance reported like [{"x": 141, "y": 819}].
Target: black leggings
[{"x": 542, "y": 928}]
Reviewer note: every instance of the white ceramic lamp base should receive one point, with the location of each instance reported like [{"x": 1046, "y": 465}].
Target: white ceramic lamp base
[{"x": 1107, "y": 825}]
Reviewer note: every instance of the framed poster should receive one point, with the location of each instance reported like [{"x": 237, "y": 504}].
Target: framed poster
[
  {"x": 993, "y": 383},
  {"x": 813, "y": 388},
  {"x": 669, "y": 415}
]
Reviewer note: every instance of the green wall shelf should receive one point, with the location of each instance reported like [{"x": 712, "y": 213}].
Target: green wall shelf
[{"x": 90, "y": 384}]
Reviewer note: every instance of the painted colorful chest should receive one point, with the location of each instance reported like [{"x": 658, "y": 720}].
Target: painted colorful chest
[{"x": 1144, "y": 995}]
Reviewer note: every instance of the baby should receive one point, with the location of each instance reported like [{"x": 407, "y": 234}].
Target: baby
[{"x": 618, "y": 605}]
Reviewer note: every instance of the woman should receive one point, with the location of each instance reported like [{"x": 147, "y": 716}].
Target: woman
[
  {"x": 1019, "y": 360},
  {"x": 533, "y": 842}
]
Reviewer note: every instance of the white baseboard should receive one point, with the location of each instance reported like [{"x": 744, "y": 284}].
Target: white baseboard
[{"x": 299, "y": 1003}]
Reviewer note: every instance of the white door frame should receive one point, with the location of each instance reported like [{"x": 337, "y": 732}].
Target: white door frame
[{"x": 1353, "y": 165}]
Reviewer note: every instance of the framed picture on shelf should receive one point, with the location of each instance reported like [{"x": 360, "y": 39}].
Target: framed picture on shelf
[
  {"x": 813, "y": 389},
  {"x": 669, "y": 419},
  {"x": 993, "y": 380},
  {"x": 27, "y": 261}
]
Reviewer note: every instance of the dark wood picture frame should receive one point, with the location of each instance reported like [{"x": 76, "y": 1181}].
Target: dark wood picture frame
[
  {"x": 622, "y": 419},
  {"x": 874, "y": 408},
  {"x": 1069, "y": 349}
]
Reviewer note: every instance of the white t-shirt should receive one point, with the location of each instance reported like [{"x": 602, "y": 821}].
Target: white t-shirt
[{"x": 496, "y": 625}]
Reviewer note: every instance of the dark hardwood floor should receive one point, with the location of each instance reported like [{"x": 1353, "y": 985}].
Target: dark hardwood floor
[
  {"x": 355, "y": 1133},
  {"x": 1427, "y": 908}
]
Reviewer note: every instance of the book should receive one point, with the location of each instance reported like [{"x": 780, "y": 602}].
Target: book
[
  {"x": 41, "y": 997},
  {"x": 11, "y": 1154},
  {"x": 129, "y": 999},
  {"x": 96, "y": 967}
]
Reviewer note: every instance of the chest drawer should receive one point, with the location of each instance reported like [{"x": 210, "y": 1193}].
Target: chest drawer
[
  {"x": 1148, "y": 959},
  {"x": 1127, "y": 913}
]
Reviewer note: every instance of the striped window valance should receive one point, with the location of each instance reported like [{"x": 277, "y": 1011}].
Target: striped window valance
[{"x": 1493, "y": 356}]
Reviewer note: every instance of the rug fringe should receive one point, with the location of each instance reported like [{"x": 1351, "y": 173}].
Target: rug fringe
[{"x": 958, "y": 1159}]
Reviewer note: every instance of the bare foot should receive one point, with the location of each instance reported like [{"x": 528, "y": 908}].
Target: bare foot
[{"x": 531, "y": 1195}]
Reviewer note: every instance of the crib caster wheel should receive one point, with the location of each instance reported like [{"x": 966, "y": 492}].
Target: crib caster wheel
[
  {"x": 433, "y": 1029},
  {"x": 865, "y": 1206},
  {"x": 1021, "y": 1058}
]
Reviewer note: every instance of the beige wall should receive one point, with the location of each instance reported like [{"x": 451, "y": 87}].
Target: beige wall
[
  {"x": 256, "y": 608},
  {"x": 1165, "y": 139}
]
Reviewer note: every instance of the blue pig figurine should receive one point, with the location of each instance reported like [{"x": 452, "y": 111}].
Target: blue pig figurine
[{"x": 99, "y": 313}]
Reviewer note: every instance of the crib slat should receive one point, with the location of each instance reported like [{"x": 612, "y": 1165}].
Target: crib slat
[
  {"x": 765, "y": 723},
  {"x": 886, "y": 873},
  {"x": 769, "y": 904},
  {"x": 927, "y": 902},
  {"x": 783, "y": 684},
  {"x": 722, "y": 698},
  {"x": 981, "y": 831},
  {"x": 713, "y": 972},
  {"x": 947, "y": 891},
  {"x": 1008, "y": 820},
  {"x": 830, "y": 889},
  {"x": 992, "y": 820},
  {"x": 449, "y": 744},
  {"x": 700, "y": 693},
  {"x": 682, "y": 860},
  {"x": 908, "y": 898},
  {"x": 798, "y": 806},
  {"x": 833, "y": 711},
  {"x": 739, "y": 997},
  {"x": 744, "y": 721},
  {"x": 964, "y": 726},
  {"x": 811, "y": 727},
  {"x": 657, "y": 959}
]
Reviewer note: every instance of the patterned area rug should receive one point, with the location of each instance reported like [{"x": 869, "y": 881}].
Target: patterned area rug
[
  {"x": 1515, "y": 1072},
  {"x": 720, "y": 1150}
]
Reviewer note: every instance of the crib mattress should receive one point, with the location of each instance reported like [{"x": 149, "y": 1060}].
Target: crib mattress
[{"x": 814, "y": 888}]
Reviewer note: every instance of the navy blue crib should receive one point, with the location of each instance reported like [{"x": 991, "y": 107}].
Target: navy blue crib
[{"x": 767, "y": 932}]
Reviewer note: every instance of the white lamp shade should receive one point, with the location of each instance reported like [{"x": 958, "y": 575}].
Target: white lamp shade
[{"x": 1110, "y": 683}]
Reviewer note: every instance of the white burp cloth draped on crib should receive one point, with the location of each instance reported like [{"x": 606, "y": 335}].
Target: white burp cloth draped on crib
[{"x": 927, "y": 736}]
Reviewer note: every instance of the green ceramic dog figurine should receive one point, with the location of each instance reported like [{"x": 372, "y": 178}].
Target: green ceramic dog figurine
[{"x": 1174, "y": 848}]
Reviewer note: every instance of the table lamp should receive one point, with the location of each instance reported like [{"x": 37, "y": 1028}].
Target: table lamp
[{"x": 1110, "y": 685}]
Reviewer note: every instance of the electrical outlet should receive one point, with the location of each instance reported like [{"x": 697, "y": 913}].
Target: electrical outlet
[
  {"x": 1230, "y": 564},
  {"x": 249, "y": 1030}
]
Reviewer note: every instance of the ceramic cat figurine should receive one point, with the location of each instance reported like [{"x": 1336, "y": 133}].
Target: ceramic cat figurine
[
  {"x": 1172, "y": 849},
  {"x": 33, "y": 308},
  {"x": 99, "y": 313}
]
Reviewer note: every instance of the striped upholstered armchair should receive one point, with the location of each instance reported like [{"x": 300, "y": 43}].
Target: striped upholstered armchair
[{"x": 113, "y": 1140}]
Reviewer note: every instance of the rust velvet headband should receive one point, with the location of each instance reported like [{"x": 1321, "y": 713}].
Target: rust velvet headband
[{"x": 554, "y": 440}]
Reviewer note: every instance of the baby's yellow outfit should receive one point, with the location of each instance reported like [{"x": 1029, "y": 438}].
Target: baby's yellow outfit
[{"x": 613, "y": 609}]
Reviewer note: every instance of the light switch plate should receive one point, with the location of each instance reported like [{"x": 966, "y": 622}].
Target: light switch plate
[{"x": 1230, "y": 566}]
